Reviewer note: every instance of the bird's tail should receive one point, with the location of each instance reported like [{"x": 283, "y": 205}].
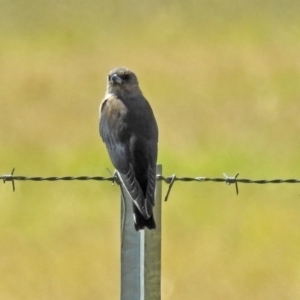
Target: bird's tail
[{"x": 140, "y": 222}]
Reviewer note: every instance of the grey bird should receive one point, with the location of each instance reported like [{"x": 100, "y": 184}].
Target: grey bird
[{"x": 129, "y": 130}]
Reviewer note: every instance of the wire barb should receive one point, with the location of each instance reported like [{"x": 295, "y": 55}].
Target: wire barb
[
  {"x": 10, "y": 177},
  {"x": 230, "y": 180},
  {"x": 171, "y": 182},
  {"x": 116, "y": 178}
]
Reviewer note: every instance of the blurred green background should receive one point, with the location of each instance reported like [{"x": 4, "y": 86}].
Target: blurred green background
[{"x": 223, "y": 80}]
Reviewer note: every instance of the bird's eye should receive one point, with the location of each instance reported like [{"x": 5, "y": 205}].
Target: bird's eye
[{"x": 125, "y": 76}]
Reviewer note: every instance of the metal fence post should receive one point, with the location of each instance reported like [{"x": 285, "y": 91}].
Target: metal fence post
[{"x": 140, "y": 253}]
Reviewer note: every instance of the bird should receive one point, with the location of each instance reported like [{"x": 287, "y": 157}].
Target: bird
[{"x": 129, "y": 130}]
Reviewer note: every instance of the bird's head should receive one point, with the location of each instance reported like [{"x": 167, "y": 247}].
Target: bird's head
[{"x": 122, "y": 81}]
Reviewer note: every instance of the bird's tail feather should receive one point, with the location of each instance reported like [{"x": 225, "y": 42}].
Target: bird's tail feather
[{"x": 140, "y": 222}]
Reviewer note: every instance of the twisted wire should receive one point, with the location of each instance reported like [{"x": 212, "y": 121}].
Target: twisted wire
[{"x": 170, "y": 180}]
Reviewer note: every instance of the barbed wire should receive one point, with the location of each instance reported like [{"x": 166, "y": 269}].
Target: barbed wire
[{"x": 170, "y": 180}]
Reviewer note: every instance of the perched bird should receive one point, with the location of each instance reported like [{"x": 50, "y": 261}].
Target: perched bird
[{"x": 129, "y": 130}]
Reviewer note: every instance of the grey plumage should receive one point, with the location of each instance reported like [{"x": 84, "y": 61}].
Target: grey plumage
[{"x": 129, "y": 130}]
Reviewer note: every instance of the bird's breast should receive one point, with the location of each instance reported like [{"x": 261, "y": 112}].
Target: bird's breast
[
  {"x": 115, "y": 115},
  {"x": 115, "y": 110}
]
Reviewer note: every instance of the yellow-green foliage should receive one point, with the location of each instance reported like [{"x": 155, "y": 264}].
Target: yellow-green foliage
[{"x": 223, "y": 78}]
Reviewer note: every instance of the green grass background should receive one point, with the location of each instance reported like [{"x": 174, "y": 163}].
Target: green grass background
[{"x": 223, "y": 78}]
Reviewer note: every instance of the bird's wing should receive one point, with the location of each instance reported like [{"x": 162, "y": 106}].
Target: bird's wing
[
  {"x": 150, "y": 193},
  {"x": 113, "y": 132},
  {"x": 132, "y": 187}
]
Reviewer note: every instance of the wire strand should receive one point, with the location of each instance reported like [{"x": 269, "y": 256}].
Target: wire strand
[{"x": 170, "y": 180}]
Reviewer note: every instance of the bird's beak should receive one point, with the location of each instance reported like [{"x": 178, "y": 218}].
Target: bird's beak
[{"x": 116, "y": 79}]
